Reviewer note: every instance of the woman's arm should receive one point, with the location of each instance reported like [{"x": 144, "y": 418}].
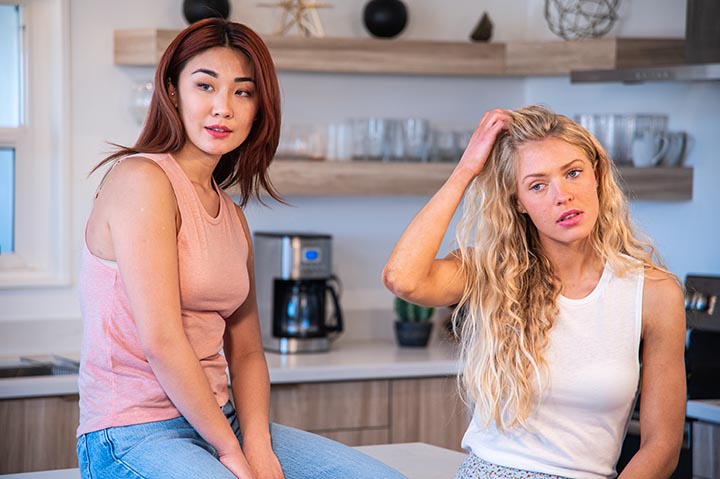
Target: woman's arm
[
  {"x": 662, "y": 398},
  {"x": 413, "y": 272},
  {"x": 141, "y": 216},
  {"x": 249, "y": 376}
]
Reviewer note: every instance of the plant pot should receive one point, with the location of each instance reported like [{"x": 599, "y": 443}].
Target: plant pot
[{"x": 414, "y": 335}]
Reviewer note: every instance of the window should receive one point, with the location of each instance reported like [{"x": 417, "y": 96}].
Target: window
[
  {"x": 34, "y": 136},
  {"x": 7, "y": 200},
  {"x": 10, "y": 69}
]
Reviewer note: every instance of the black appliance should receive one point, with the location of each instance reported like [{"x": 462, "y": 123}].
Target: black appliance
[{"x": 702, "y": 365}]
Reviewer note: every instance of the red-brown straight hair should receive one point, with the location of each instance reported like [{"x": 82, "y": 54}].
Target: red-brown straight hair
[{"x": 163, "y": 131}]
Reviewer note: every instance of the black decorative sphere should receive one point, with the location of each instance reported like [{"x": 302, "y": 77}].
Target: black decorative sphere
[
  {"x": 385, "y": 18},
  {"x": 195, "y": 10}
]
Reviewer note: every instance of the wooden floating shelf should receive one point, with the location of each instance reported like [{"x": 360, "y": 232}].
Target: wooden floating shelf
[
  {"x": 359, "y": 178},
  {"x": 143, "y": 47},
  {"x": 661, "y": 184}
]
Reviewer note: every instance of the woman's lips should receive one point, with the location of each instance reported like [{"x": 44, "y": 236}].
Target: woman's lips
[
  {"x": 570, "y": 218},
  {"x": 217, "y": 131}
]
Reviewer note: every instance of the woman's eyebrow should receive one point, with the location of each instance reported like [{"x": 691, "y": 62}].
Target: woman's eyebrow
[{"x": 215, "y": 75}]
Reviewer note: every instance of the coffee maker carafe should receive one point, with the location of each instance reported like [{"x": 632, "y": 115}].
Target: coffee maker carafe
[{"x": 296, "y": 291}]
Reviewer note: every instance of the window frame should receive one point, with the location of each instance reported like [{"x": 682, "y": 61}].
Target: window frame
[{"x": 42, "y": 214}]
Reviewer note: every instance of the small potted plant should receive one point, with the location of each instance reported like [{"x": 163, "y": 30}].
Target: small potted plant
[{"x": 413, "y": 325}]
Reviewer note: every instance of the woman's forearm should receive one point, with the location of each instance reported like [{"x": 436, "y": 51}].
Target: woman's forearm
[
  {"x": 413, "y": 272},
  {"x": 652, "y": 461},
  {"x": 412, "y": 258},
  {"x": 251, "y": 396},
  {"x": 180, "y": 374}
]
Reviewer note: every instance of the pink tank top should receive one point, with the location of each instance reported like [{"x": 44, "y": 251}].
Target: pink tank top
[{"x": 117, "y": 386}]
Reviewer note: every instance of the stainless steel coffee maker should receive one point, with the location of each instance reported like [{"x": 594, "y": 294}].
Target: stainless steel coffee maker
[{"x": 293, "y": 276}]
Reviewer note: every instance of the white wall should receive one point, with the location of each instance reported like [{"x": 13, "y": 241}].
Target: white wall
[{"x": 366, "y": 228}]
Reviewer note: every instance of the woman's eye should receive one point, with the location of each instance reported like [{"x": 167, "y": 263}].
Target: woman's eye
[
  {"x": 204, "y": 86},
  {"x": 574, "y": 173},
  {"x": 536, "y": 187},
  {"x": 243, "y": 93}
]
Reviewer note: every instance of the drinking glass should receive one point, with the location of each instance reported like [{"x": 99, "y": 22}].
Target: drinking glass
[
  {"x": 416, "y": 136},
  {"x": 443, "y": 146}
]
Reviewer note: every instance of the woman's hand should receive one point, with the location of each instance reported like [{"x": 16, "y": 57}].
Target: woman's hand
[
  {"x": 263, "y": 461},
  {"x": 237, "y": 464},
  {"x": 482, "y": 140}
]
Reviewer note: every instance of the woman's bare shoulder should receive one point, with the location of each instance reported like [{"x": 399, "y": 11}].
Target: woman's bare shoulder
[
  {"x": 663, "y": 298},
  {"x": 135, "y": 178},
  {"x": 661, "y": 282}
]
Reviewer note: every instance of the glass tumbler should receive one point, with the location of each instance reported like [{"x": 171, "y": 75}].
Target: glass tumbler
[{"x": 416, "y": 138}]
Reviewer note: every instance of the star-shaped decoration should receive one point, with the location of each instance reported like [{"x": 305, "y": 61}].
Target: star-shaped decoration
[{"x": 302, "y": 13}]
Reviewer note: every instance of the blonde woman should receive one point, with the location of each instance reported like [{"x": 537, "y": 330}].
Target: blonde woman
[{"x": 562, "y": 303}]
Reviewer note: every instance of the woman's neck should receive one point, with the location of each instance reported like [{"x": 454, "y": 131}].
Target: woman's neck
[
  {"x": 197, "y": 166},
  {"x": 578, "y": 269}
]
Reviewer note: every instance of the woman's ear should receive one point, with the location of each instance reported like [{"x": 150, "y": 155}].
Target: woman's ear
[
  {"x": 521, "y": 209},
  {"x": 172, "y": 92}
]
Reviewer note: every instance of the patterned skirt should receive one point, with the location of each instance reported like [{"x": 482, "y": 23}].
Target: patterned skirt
[{"x": 476, "y": 468}]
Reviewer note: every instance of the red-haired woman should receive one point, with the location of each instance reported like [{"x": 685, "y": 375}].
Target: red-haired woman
[{"x": 167, "y": 283}]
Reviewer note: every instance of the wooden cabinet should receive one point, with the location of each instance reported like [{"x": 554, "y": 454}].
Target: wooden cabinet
[
  {"x": 354, "y": 412},
  {"x": 38, "y": 433},
  {"x": 360, "y": 413},
  {"x": 428, "y": 410},
  {"x": 706, "y": 450}
]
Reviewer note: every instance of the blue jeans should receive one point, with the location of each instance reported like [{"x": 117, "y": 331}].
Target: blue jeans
[{"x": 173, "y": 449}]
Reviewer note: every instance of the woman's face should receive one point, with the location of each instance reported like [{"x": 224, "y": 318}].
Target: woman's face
[
  {"x": 557, "y": 188},
  {"x": 216, "y": 100}
]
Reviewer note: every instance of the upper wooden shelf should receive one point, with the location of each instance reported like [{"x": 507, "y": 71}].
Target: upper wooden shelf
[
  {"x": 143, "y": 47},
  {"x": 354, "y": 178}
]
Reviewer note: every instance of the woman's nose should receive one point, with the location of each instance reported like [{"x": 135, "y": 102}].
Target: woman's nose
[
  {"x": 563, "y": 192},
  {"x": 221, "y": 107}
]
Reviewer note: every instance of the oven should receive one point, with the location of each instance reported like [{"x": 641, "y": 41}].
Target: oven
[{"x": 702, "y": 365}]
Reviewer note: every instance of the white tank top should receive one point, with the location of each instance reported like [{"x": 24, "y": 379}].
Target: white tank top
[{"x": 592, "y": 356}]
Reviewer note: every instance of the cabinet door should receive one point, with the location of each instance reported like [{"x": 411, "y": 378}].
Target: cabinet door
[
  {"x": 706, "y": 450},
  {"x": 428, "y": 410},
  {"x": 38, "y": 433},
  {"x": 359, "y": 437},
  {"x": 354, "y": 412}
]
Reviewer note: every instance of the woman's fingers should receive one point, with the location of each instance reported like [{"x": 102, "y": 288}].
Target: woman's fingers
[{"x": 483, "y": 138}]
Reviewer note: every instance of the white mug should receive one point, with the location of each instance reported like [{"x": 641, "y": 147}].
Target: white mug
[
  {"x": 677, "y": 141},
  {"x": 648, "y": 147}
]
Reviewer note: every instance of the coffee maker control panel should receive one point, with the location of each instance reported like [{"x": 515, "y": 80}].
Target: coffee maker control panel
[
  {"x": 294, "y": 255},
  {"x": 305, "y": 258}
]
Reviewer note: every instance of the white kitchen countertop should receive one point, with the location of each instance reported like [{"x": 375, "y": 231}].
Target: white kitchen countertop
[
  {"x": 707, "y": 410},
  {"x": 348, "y": 360},
  {"x": 416, "y": 460}
]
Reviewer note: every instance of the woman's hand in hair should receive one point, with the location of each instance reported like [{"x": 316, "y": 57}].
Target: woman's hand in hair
[{"x": 483, "y": 138}]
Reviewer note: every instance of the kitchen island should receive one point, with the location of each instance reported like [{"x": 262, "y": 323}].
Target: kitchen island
[
  {"x": 415, "y": 460},
  {"x": 360, "y": 393},
  {"x": 705, "y": 437}
]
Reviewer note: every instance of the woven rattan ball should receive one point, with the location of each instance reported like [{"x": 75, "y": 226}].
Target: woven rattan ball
[{"x": 576, "y": 19}]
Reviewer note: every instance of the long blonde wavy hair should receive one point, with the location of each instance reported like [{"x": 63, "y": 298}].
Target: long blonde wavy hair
[{"x": 509, "y": 303}]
